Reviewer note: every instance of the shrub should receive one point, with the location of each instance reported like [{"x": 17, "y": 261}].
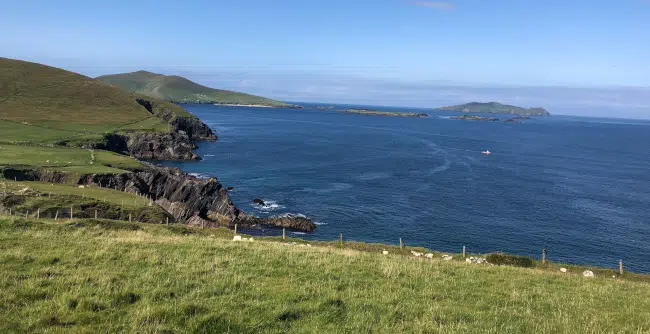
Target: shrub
[{"x": 509, "y": 260}]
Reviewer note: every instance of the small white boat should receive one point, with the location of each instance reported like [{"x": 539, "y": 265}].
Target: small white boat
[{"x": 486, "y": 152}]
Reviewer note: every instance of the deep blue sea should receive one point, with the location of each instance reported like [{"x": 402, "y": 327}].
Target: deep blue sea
[{"x": 579, "y": 187}]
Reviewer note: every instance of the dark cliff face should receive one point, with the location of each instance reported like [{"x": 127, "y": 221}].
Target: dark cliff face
[
  {"x": 193, "y": 201},
  {"x": 194, "y": 128},
  {"x": 161, "y": 146},
  {"x": 180, "y": 194}
]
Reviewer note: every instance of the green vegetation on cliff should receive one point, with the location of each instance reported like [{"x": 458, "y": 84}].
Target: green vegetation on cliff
[
  {"x": 50, "y": 118},
  {"x": 496, "y": 108},
  {"x": 54, "y": 99},
  {"x": 179, "y": 89},
  {"x": 107, "y": 276},
  {"x": 383, "y": 113}
]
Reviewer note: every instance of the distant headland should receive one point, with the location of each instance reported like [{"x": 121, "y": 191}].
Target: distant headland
[
  {"x": 177, "y": 89},
  {"x": 496, "y": 108},
  {"x": 383, "y": 113}
]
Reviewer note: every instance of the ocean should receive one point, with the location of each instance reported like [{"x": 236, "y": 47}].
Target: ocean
[{"x": 578, "y": 187}]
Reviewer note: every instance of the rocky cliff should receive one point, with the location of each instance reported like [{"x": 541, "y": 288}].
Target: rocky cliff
[
  {"x": 161, "y": 146},
  {"x": 191, "y": 125},
  {"x": 194, "y": 201}
]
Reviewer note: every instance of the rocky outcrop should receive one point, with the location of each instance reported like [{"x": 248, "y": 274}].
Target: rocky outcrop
[
  {"x": 182, "y": 195},
  {"x": 161, "y": 146},
  {"x": 191, "y": 200},
  {"x": 191, "y": 125},
  {"x": 289, "y": 221},
  {"x": 194, "y": 128}
]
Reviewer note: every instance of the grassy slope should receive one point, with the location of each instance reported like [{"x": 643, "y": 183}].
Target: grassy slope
[
  {"x": 76, "y": 161},
  {"x": 45, "y": 200},
  {"x": 33, "y": 92},
  {"x": 496, "y": 108},
  {"x": 107, "y": 195},
  {"x": 42, "y": 106},
  {"x": 175, "y": 88},
  {"x": 116, "y": 197},
  {"x": 86, "y": 276}
]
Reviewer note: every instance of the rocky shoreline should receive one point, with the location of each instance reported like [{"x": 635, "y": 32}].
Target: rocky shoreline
[{"x": 190, "y": 200}]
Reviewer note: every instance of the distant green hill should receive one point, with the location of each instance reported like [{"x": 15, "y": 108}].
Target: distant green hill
[
  {"x": 496, "y": 108},
  {"x": 42, "y": 107},
  {"x": 179, "y": 89}
]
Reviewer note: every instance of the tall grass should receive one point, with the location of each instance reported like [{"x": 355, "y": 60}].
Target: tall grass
[{"x": 91, "y": 277}]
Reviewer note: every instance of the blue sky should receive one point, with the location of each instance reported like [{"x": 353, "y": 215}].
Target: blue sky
[{"x": 397, "y": 52}]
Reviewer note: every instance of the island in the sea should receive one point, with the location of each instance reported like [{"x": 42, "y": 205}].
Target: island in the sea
[
  {"x": 466, "y": 117},
  {"x": 497, "y": 108},
  {"x": 383, "y": 113},
  {"x": 475, "y": 118}
]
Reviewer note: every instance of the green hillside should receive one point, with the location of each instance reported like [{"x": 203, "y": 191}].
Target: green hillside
[
  {"x": 179, "y": 89},
  {"x": 90, "y": 276},
  {"x": 43, "y": 102},
  {"x": 49, "y": 118},
  {"x": 497, "y": 108}
]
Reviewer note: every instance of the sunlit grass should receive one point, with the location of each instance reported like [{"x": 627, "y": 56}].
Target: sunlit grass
[{"x": 142, "y": 278}]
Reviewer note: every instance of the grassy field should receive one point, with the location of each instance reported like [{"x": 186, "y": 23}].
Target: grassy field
[
  {"x": 64, "y": 158},
  {"x": 175, "y": 88},
  {"x": 102, "y": 276},
  {"x": 45, "y": 200},
  {"x": 107, "y": 195},
  {"x": 44, "y": 105}
]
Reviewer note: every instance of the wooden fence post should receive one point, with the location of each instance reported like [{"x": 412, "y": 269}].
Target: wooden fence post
[
  {"x": 56, "y": 216},
  {"x": 70, "y": 212},
  {"x": 284, "y": 233},
  {"x": 401, "y": 244},
  {"x": 129, "y": 217},
  {"x": 38, "y": 213},
  {"x": 341, "y": 240},
  {"x": 543, "y": 255},
  {"x": 167, "y": 221},
  {"x": 620, "y": 266},
  {"x": 464, "y": 252},
  {"x": 95, "y": 214},
  {"x": 235, "y": 229}
]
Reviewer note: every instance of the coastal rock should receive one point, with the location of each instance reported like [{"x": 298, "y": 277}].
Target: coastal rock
[
  {"x": 189, "y": 124},
  {"x": 194, "y": 128},
  {"x": 161, "y": 146},
  {"x": 258, "y": 201},
  {"x": 191, "y": 200},
  {"x": 290, "y": 221}
]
